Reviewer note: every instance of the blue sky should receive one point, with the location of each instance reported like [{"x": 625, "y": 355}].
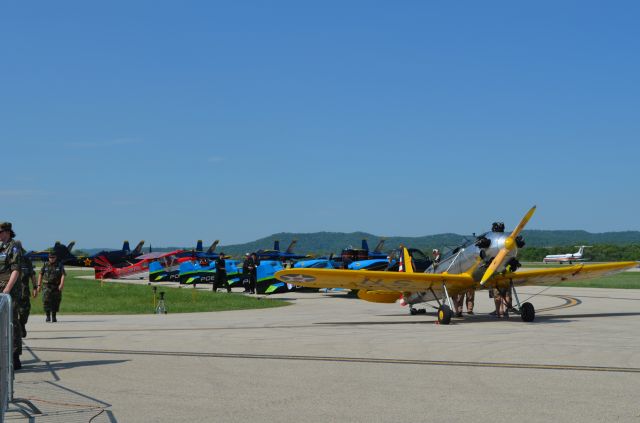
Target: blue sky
[{"x": 174, "y": 121}]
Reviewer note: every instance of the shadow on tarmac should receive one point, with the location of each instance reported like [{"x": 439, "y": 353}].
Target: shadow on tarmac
[
  {"x": 540, "y": 319},
  {"x": 53, "y": 366},
  {"x": 63, "y": 337}
]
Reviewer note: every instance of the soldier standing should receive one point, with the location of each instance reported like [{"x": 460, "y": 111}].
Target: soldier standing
[
  {"x": 10, "y": 267},
  {"x": 24, "y": 304},
  {"x": 221, "y": 274},
  {"x": 53, "y": 275}
]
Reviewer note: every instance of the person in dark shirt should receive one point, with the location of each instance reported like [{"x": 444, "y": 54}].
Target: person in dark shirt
[{"x": 221, "y": 274}]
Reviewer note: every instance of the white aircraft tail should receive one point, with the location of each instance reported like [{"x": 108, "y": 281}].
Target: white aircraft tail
[{"x": 581, "y": 249}]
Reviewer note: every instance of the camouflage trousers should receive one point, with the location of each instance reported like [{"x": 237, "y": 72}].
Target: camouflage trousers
[
  {"x": 24, "y": 308},
  {"x": 17, "y": 329},
  {"x": 51, "y": 298}
]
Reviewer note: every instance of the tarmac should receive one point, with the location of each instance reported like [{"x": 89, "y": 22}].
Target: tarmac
[{"x": 331, "y": 358}]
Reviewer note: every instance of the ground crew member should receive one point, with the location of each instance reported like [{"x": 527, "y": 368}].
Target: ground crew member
[
  {"x": 52, "y": 274},
  {"x": 246, "y": 274},
  {"x": 253, "y": 273},
  {"x": 471, "y": 296},
  {"x": 221, "y": 274},
  {"x": 27, "y": 275},
  {"x": 457, "y": 300},
  {"x": 10, "y": 267}
]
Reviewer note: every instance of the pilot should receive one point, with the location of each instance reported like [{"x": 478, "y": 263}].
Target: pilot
[
  {"x": 10, "y": 268},
  {"x": 221, "y": 274},
  {"x": 246, "y": 273},
  {"x": 53, "y": 274},
  {"x": 436, "y": 256}
]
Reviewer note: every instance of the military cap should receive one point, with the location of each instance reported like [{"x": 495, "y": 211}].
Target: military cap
[{"x": 5, "y": 226}]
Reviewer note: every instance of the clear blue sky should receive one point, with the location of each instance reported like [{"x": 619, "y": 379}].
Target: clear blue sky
[{"x": 173, "y": 121}]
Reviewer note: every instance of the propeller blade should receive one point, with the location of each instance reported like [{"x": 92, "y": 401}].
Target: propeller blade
[
  {"x": 523, "y": 223},
  {"x": 497, "y": 261},
  {"x": 509, "y": 245}
]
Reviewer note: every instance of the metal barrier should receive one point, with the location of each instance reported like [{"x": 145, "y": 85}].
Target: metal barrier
[
  {"x": 6, "y": 357},
  {"x": 6, "y": 364}
]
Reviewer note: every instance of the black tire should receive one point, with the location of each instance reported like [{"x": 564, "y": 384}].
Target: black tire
[
  {"x": 444, "y": 315},
  {"x": 413, "y": 311},
  {"x": 527, "y": 312}
]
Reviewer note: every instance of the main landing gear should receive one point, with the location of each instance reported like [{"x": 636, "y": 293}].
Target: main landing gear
[
  {"x": 444, "y": 314},
  {"x": 444, "y": 311},
  {"x": 527, "y": 310}
]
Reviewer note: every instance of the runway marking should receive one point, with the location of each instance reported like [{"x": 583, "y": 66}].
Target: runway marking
[
  {"x": 569, "y": 302},
  {"x": 348, "y": 360}
]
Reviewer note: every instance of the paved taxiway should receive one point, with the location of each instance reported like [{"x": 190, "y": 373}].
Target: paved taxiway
[{"x": 328, "y": 358}]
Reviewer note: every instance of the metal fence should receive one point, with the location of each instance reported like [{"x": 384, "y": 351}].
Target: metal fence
[{"x": 6, "y": 357}]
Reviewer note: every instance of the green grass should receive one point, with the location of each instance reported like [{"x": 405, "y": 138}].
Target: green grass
[
  {"x": 83, "y": 296},
  {"x": 624, "y": 280}
]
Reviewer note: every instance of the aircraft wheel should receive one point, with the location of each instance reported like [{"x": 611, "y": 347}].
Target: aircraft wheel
[
  {"x": 527, "y": 312},
  {"x": 444, "y": 315}
]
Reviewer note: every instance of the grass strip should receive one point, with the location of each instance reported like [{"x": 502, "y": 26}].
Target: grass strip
[{"x": 83, "y": 296}]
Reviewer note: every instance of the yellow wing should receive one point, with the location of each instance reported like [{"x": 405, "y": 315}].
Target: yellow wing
[
  {"x": 559, "y": 274},
  {"x": 375, "y": 280}
]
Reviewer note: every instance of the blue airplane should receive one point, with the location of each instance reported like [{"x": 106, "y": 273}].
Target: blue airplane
[
  {"x": 276, "y": 254},
  {"x": 195, "y": 272},
  {"x": 62, "y": 251},
  {"x": 167, "y": 268}
]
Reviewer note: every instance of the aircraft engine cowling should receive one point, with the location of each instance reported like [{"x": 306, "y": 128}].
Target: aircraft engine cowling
[
  {"x": 379, "y": 296},
  {"x": 498, "y": 241}
]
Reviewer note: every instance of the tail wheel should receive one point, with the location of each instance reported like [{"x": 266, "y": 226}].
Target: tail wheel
[
  {"x": 527, "y": 312},
  {"x": 444, "y": 315}
]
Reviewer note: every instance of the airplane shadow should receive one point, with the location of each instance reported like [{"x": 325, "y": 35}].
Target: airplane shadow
[{"x": 540, "y": 319}]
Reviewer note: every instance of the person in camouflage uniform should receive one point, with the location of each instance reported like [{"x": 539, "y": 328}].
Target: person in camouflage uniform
[
  {"x": 52, "y": 273},
  {"x": 10, "y": 267},
  {"x": 24, "y": 304}
]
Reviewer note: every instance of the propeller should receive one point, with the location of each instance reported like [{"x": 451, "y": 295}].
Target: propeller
[{"x": 509, "y": 245}]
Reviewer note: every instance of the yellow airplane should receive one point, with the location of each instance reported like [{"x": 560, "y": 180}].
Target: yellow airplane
[{"x": 489, "y": 261}]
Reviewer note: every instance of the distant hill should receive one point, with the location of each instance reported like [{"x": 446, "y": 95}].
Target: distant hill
[
  {"x": 328, "y": 242},
  {"x": 334, "y": 242}
]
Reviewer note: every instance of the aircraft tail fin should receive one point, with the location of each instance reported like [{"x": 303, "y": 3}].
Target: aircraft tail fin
[
  {"x": 199, "y": 246},
  {"x": 138, "y": 249},
  {"x": 276, "y": 245},
  {"x": 62, "y": 251},
  {"x": 365, "y": 245},
  {"x": 213, "y": 246},
  {"x": 406, "y": 262},
  {"x": 290, "y": 247},
  {"x": 125, "y": 246},
  {"x": 379, "y": 247},
  {"x": 71, "y": 245},
  {"x": 581, "y": 249}
]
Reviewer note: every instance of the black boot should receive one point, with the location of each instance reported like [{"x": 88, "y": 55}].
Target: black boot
[
  {"x": 53, "y": 317},
  {"x": 48, "y": 316},
  {"x": 17, "y": 365}
]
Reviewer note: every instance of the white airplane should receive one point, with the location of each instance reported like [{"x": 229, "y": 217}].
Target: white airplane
[{"x": 566, "y": 258}]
